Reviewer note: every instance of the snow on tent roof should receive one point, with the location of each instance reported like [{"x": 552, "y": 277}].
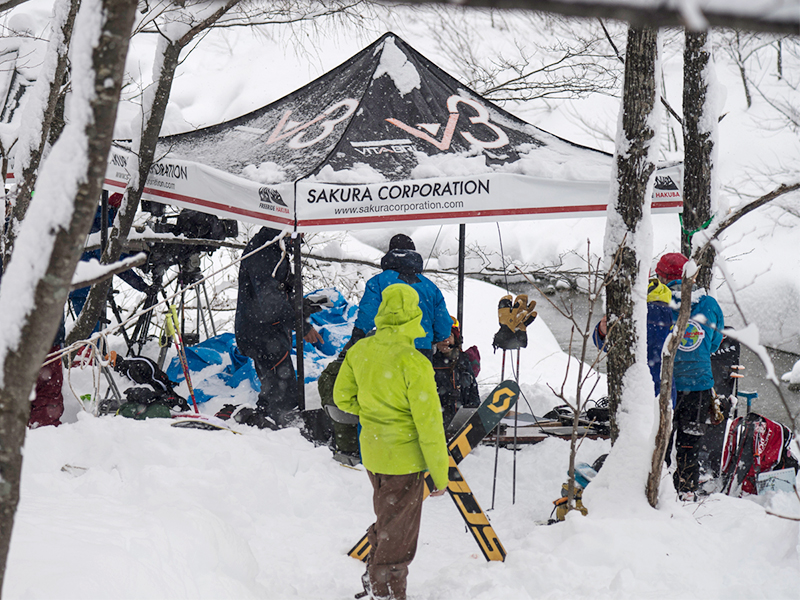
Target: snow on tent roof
[{"x": 385, "y": 136}]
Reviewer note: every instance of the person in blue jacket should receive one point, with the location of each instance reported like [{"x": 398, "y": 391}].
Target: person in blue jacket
[
  {"x": 659, "y": 324},
  {"x": 403, "y": 264},
  {"x": 693, "y": 376}
]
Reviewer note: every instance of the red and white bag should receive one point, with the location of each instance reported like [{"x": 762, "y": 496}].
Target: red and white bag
[{"x": 755, "y": 445}]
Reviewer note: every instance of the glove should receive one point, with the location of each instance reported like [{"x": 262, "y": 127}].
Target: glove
[
  {"x": 504, "y": 309},
  {"x": 522, "y": 313},
  {"x": 504, "y": 338},
  {"x": 514, "y": 320}
]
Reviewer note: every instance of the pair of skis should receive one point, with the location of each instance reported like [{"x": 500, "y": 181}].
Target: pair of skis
[{"x": 480, "y": 424}]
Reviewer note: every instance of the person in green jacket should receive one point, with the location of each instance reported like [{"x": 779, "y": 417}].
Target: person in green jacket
[{"x": 391, "y": 387}]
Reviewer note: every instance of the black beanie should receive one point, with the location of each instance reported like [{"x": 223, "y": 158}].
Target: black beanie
[{"x": 401, "y": 242}]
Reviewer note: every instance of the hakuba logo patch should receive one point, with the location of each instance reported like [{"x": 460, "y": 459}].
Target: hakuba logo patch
[
  {"x": 692, "y": 337},
  {"x": 270, "y": 196},
  {"x": 665, "y": 182}
]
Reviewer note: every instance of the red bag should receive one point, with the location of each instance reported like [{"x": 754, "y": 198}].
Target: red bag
[
  {"x": 755, "y": 445},
  {"x": 474, "y": 357}
]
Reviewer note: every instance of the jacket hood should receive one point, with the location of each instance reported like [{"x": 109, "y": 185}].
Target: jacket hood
[
  {"x": 403, "y": 261},
  {"x": 698, "y": 294},
  {"x": 658, "y": 292},
  {"x": 399, "y": 312}
]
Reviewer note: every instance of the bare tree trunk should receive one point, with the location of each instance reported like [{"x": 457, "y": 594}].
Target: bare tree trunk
[
  {"x": 98, "y": 294},
  {"x": 152, "y": 121},
  {"x": 21, "y": 361},
  {"x": 29, "y": 152},
  {"x": 698, "y": 143},
  {"x": 635, "y": 167}
]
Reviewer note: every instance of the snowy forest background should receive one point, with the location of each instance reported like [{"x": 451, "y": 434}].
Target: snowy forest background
[{"x": 143, "y": 512}]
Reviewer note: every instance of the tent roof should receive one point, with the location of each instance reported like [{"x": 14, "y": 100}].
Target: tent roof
[
  {"x": 387, "y": 113},
  {"x": 385, "y": 136}
]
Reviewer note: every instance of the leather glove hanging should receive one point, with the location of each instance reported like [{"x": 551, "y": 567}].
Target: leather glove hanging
[
  {"x": 523, "y": 314},
  {"x": 514, "y": 316},
  {"x": 504, "y": 338}
]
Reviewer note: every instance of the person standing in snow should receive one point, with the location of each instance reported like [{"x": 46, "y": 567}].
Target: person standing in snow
[
  {"x": 391, "y": 387},
  {"x": 693, "y": 376},
  {"x": 455, "y": 377},
  {"x": 47, "y": 404},
  {"x": 659, "y": 324},
  {"x": 403, "y": 264},
  {"x": 263, "y": 327}
]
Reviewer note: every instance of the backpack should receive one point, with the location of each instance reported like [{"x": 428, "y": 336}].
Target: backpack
[
  {"x": 144, "y": 403},
  {"x": 755, "y": 445}
]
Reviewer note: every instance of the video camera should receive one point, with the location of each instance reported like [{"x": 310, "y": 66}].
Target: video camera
[{"x": 190, "y": 224}]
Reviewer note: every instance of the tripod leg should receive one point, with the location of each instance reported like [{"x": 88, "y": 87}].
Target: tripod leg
[
  {"x": 118, "y": 317},
  {"x": 208, "y": 306},
  {"x": 200, "y": 316},
  {"x": 143, "y": 323}
]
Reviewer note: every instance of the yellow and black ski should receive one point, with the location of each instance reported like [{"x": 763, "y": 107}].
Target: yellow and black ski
[{"x": 480, "y": 424}]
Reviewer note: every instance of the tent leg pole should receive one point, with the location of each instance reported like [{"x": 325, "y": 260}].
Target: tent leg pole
[
  {"x": 299, "y": 322},
  {"x": 462, "y": 236}
]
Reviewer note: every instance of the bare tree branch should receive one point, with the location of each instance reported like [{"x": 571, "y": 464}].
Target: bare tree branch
[{"x": 652, "y": 15}]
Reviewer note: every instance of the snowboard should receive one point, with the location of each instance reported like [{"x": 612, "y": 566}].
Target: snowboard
[{"x": 479, "y": 425}]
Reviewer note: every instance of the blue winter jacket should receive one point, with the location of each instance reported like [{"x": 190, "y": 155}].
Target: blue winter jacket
[
  {"x": 702, "y": 337},
  {"x": 405, "y": 266},
  {"x": 659, "y": 324}
]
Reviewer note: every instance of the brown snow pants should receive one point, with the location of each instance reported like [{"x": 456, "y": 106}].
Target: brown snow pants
[{"x": 397, "y": 500}]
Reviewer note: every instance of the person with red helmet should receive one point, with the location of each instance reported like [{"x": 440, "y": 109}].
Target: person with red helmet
[{"x": 693, "y": 376}]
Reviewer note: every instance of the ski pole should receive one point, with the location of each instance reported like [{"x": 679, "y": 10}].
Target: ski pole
[
  {"x": 172, "y": 331},
  {"x": 514, "y": 467},
  {"x": 497, "y": 434}
]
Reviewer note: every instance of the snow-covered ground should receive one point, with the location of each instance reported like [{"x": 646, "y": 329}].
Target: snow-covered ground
[
  {"x": 114, "y": 508},
  {"x": 148, "y": 511}
]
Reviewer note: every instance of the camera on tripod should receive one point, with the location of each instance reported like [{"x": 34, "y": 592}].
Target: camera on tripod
[
  {"x": 196, "y": 227},
  {"x": 191, "y": 224}
]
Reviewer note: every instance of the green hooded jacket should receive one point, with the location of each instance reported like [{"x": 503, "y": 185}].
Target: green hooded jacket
[{"x": 390, "y": 386}]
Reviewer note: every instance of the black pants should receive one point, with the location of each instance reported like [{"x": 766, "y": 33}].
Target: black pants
[
  {"x": 690, "y": 423},
  {"x": 273, "y": 362}
]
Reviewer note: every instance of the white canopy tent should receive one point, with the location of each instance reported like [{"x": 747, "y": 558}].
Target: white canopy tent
[{"x": 385, "y": 138}]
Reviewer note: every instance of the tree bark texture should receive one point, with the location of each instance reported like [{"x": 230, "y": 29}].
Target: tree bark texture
[
  {"x": 98, "y": 294},
  {"x": 21, "y": 364},
  {"x": 152, "y": 122},
  {"x": 698, "y": 143},
  {"x": 30, "y": 169},
  {"x": 634, "y": 171}
]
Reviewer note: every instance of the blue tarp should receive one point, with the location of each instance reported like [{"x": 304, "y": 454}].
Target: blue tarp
[{"x": 216, "y": 366}]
